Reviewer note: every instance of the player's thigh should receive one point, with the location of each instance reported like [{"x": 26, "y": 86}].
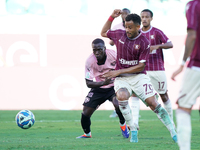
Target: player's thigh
[
  {"x": 143, "y": 88},
  {"x": 97, "y": 96},
  {"x": 158, "y": 80},
  {"x": 190, "y": 88},
  {"x": 122, "y": 82}
]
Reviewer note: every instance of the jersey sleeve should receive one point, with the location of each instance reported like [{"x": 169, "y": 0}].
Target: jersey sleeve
[
  {"x": 191, "y": 16},
  {"x": 163, "y": 38},
  {"x": 88, "y": 71}
]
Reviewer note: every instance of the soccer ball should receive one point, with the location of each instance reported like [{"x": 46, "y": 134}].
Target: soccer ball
[{"x": 25, "y": 119}]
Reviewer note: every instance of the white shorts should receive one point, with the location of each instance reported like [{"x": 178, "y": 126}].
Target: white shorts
[
  {"x": 158, "y": 80},
  {"x": 139, "y": 84},
  {"x": 190, "y": 88}
]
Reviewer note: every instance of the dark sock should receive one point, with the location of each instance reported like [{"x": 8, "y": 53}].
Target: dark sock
[
  {"x": 85, "y": 123},
  {"x": 121, "y": 117}
]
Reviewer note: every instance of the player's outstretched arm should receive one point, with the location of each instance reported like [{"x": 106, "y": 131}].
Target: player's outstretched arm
[{"x": 107, "y": 25}]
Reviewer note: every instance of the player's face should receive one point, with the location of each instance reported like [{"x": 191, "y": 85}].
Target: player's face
[
  {"x": 99, "y": 51},
  {"x": 146, "y": 18},
  {"x": 131, "y": 29}
]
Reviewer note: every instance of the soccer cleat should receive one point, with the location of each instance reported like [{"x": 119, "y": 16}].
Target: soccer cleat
[
  {"x": 125, "y": 131},
  {"x": 134, "y": 137},
  {"x": 84, "y": 136},
  {"x": 113, "y": 115},
  {"x": 175, "y": 138}
]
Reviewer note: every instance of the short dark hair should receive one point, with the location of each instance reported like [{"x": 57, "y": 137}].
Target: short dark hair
[
  {"x": 126, "y": 9},
  {"x": 147, "y": 10},
  {"x": 98, "y": 40},
  {"x": 134, "y": 17}
]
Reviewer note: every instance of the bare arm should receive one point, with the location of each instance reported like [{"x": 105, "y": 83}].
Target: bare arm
[
  {"x": 91, "y": 84},
  {"x": 107, "y": 25},
  {"x": 138, "y": 68},
  {"x": 189, "y": 44},
  {"x": 163, "y": 46}
]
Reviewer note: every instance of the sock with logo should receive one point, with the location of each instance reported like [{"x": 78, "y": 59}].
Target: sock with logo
[{"x": 126, "y": 111}]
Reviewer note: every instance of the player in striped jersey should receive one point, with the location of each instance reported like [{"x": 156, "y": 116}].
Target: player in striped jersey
[
  {"x": 190, "y": 88},
  {"x": 132, "y": 53},
  {"x": 155, "y": 65}
]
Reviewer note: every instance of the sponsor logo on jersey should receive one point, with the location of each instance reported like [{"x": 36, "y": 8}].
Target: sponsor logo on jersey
[
  {"x": 113, "y": 63},
  {"x": 126, "y": 62}
]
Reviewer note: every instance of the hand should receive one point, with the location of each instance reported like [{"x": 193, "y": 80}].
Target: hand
[
  {"x": 108, "y": 81},
  {"x": 179, "y": 70},
  {"x": 111, "y": 74},
  {"x": 153, "y": 47},
  {"x": 116, "y": 13}
]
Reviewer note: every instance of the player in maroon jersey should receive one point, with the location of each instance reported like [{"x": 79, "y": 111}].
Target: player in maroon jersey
[
  {"x": 132, "y": 53},
  {"x": 190, "y": 88},
  {"x": 155, "y": 65}
]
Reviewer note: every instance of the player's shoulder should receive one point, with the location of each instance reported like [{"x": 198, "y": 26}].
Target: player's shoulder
[
  {"x": 111, "y": 53},
  {"x": 91, "y": 58},
  {"x": 144, "y": 38}
]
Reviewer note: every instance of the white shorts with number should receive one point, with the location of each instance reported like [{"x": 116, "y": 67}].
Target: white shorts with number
[
  {"x": 159, "y": 81},
  {"x": 139, "y": 84},
  {"x": 190, "y": 88}
]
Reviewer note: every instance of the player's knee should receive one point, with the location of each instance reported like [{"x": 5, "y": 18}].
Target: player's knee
[
  {"x": 164, "y": 97},
  {"x": 122, "y": 94}
]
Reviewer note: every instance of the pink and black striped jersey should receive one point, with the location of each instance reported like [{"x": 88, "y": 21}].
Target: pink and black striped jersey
[
  {"x": 193, "y": 22},
  {"x": 95, "y": 71},
  {"x": 129, "y": 51},
  {"x": 156, "y": 58}
]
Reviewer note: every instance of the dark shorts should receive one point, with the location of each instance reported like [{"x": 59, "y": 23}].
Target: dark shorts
[{"x": 97, "y": 96}]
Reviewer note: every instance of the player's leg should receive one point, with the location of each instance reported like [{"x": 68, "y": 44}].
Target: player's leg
[
  {"x": 184, "y": 128},
  {"x": 123, "y": 126},
  {"x": 146, "y": 92},
  {"x": 162, "y": 115},
  {"x": 92, "y": 101},
  {"x": 159, "y": 82},
  {"x": 86, "y": 122},
  {"x": 134, "y": 102},
  {"x": 187, "y": 98},
  {"x": 113, "y": 115}
]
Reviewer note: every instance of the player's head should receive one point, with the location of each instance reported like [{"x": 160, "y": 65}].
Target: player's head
[
  {"x": 99, "y": 49},
  {"x": 147, "y": 17},
  {"x": 132, "y": 25},
  {"x": 125, "y": 12}
]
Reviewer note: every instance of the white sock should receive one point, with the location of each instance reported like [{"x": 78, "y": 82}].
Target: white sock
[
  {"x": 168, "y": 108},
  {"x": 88, "y": 134},
  {"x": 135, "y": 109},
  {"x": 184, "y": 129},
  {"x": 126, "y": 112}
]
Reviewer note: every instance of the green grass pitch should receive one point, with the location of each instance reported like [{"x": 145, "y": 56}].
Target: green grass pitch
[{"x": 57, "y": 130}]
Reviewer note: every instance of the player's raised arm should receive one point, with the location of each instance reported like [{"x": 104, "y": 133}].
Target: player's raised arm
[{"x": 107, "y": 25}]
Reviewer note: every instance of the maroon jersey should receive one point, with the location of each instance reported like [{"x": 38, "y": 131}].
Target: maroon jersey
[
  {"x": 129, "y": 51},
  {"x": 156, "y": 58},
  {"x": 193, "y": 22}
]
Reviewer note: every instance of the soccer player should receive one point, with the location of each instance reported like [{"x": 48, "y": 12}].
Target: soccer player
[
  {"x": 99, "y": 62},
  {"x": 134, "y": 101},
  {"x": 190, "y": 88},
  {"x": 132, "y": 53},
  {"x": 155, "y": 65}
]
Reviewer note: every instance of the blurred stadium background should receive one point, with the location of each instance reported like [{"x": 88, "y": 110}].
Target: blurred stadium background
[{"x": 44, "y": 45}]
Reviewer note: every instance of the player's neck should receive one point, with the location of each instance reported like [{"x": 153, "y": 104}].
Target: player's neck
[
  {"x": 101, "y": 62},
  {"x": 146, "y": 28}
]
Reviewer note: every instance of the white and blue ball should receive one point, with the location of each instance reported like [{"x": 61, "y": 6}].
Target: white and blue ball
[{"x": 25, "y": 119}]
